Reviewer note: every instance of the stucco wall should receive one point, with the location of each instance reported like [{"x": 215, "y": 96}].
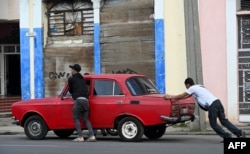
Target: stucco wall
[
  {"x": 175, "y": 48},
  {"x": 9, "y": 9},
  {"x": 213, "y": 47}
]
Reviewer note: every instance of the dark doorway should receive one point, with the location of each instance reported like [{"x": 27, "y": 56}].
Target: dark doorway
[{"x": 13, "y": 76}]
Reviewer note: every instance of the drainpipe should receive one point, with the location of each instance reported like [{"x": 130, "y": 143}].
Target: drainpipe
[{"x": 31, "y": 35}]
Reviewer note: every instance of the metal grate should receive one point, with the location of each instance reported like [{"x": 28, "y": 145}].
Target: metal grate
[{"x": 245, "y": 4}]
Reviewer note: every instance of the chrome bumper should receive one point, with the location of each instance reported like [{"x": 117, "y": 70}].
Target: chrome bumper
[
  {"x": 173, "y": 120},
  {"x": 15, "y": 122}
]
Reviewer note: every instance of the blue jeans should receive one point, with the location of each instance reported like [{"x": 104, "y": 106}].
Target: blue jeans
[
  {"x": 81, "y": 109},
  {"x": 215, "y": 111}
]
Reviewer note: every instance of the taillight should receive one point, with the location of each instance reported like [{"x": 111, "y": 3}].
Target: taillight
[
  {"x": 175, "y": 110},
  {"x": 182, "y": 109},
  {"x": 175, "y": 107}
]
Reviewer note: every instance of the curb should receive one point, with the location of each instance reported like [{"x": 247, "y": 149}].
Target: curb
[
  {"x": 11, "y": 133},
  {"x": 5, "y": 115}
]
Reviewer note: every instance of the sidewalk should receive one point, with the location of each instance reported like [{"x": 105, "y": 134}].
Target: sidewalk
[{"x": 7, "y": 128}]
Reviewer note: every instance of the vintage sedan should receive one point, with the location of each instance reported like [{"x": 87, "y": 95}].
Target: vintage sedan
[{"x": 128, "y": 105}]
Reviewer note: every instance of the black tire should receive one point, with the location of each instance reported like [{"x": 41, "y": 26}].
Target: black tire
[
  {"x": 112, "y": 132},
  {"x": 155, "y": 132},
  {"x": 104, "y": 132},
  {"x": 63, "y": 133},
  {"x": 35, "y": 128},
  {"x": 130, "y": 129}
]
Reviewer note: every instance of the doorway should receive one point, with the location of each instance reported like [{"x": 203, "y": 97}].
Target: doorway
[
  {"x": 10, "y": 81},
  {"x": 13, "y": 75}
]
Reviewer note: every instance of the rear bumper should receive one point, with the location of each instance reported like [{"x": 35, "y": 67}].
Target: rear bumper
[{"x": 173, "y": 120}]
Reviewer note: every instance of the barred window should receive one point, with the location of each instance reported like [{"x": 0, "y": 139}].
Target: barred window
[
  {"x": 245, "y": 4},
  {"x": 70, "y": 18},
  {"x": 244, "y": 31},
  {"x": 243, "y": 16}
]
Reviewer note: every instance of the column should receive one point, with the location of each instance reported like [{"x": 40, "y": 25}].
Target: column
[
  {"x": 159, "y": 45},
  {"x": 97, "y": 54},
  {"x": 232, "y": 61},
  {"x": 31, "y": 49}
]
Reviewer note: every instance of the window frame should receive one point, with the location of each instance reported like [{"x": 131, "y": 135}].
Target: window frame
[{"x": 115, "y": 85}]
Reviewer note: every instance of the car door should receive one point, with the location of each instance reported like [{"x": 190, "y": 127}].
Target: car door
[
  {"x": 106, "y": 102},
  {"x": 65, "y": 120}
]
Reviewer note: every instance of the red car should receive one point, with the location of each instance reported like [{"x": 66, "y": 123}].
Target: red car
[{"x": 128, "y": 105}]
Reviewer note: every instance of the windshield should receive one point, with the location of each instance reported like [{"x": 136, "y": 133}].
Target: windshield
[{"x": 141, "y": 86}]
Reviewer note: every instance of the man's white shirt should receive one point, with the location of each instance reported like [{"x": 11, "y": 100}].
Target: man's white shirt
[{"x": 202, "y": 95}]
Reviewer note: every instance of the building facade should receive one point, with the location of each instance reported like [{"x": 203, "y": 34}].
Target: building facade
[{"x": 166, "y": 40}]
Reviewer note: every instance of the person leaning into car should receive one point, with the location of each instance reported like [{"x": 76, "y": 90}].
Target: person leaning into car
[
  {"x": 79, "y": 91},
  {"x": 208, "y": 102}
]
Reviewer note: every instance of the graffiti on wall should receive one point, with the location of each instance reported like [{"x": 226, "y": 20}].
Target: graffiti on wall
[{"x": 58, "y": 75}]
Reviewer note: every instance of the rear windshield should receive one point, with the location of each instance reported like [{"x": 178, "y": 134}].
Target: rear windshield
[{"x": 141, "y": 86}]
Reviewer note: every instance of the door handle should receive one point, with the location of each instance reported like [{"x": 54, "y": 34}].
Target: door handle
[{"x": 119, "y": 101}]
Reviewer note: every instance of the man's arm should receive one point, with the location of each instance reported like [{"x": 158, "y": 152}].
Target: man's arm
[{"x": 180, "y": 96}]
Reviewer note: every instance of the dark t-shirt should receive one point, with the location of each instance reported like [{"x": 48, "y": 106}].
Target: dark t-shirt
[{"x": 78, "y": 86}]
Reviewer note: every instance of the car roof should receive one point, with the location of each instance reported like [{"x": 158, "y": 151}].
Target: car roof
[{"x": 112, "y": 76}]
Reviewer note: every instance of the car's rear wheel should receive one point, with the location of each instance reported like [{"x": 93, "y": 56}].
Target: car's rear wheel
[
  {"x": 35, "y": 128},
  {"x": 155, "y": 132},
  {"x": 63, "y": 133},
  {"x": 130, "y": 129}
]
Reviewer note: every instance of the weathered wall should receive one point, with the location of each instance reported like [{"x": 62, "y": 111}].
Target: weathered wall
[
  {"x": 127, "y": 41},
  {"x": 127, "y": 37},
  {"x": 56, "y": 65},
  {"x": 62, "y": 51}
]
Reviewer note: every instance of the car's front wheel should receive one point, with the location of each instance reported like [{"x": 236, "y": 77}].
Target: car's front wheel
[
  {"x": 155, "y": 132},
  {"x": 130, "y": 129},
  {"x": 63, "y": 133},
  {"x": 35, "y": 128}
]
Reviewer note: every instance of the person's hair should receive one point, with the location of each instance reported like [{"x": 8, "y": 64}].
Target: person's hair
[{"x": 189, "y": 81}]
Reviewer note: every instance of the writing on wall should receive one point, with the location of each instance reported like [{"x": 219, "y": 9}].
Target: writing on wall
[{"x": 58, "y": 75}]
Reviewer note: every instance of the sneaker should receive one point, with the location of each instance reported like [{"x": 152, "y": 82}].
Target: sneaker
[{"x": 243, "y": 134}]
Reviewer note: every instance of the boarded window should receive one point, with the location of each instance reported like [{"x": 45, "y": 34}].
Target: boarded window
[{"x": 69, "y": 18}]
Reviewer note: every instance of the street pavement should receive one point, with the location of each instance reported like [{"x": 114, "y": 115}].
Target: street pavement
[
  {"x": 7, "y": 128},
  {"x": 167, "y": 144}
]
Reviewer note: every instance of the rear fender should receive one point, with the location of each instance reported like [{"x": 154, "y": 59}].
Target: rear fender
[{"x": 121, "y": 116}]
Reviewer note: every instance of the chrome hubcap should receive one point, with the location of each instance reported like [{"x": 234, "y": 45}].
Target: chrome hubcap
[
  {"x": 129, "y": 129},
  {"x": 34, "y": 128}
]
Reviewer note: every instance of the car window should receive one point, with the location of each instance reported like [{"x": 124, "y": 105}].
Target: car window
[
  {"x": 141, "y": 86},
  {"x": 106, "y": 87}
]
